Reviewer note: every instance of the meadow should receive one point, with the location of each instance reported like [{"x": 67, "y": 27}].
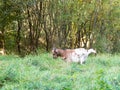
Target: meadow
[{"x": 42, "y": 72}]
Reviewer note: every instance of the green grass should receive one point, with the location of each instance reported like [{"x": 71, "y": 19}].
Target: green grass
[{"x": 42, "y": 72}]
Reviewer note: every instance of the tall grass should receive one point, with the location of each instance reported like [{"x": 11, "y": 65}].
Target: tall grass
[{"x": 42, "y": 72}]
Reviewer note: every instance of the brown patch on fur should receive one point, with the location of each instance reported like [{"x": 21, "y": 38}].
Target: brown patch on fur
[{"x": 64, "y": 54}]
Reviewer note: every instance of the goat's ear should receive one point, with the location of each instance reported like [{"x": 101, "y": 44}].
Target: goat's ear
[{"x": 54, "y": 49}]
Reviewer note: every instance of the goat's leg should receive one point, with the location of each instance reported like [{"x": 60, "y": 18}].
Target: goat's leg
[
  {"x": 81, "y": 62},
  {"x": 63, "y": 58}
]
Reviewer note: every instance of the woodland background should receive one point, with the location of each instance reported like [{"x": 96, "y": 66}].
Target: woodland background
[{"x": 27, "y": 26}]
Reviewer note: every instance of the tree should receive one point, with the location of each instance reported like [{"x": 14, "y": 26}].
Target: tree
[{"x": 28, "y": 25}]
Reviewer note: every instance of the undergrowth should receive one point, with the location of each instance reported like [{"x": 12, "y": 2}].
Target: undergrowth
[{"x": 42, "y": 72}]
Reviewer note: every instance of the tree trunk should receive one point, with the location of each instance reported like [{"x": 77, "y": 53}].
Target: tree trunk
[
  {"x": 3, "y": 40},
  {"x": 31, "y": 43},
  {"x": 19, "y": 36}
]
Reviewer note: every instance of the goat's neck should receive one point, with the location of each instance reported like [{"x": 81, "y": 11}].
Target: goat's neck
[{"x": 61, "y": 52}]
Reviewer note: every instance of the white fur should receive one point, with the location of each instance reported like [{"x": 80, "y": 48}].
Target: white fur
[{"x": 80, "y": 55}]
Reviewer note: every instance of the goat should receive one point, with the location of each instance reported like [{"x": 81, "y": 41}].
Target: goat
[{"x": 72, "y": 55}]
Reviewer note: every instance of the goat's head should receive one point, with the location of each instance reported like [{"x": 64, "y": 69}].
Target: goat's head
[
  {"x": 57, "y": 52},
  {"x": 54, "y": 53}
]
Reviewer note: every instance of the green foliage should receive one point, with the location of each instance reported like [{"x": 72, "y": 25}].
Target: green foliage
[
  {"x": 28, "y": 25},
  {"x": 43, "y": 72},
  {"x": 103, "y": 84}
]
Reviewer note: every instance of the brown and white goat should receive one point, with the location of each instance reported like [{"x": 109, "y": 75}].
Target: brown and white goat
[{"x": 72, "y": 55}]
